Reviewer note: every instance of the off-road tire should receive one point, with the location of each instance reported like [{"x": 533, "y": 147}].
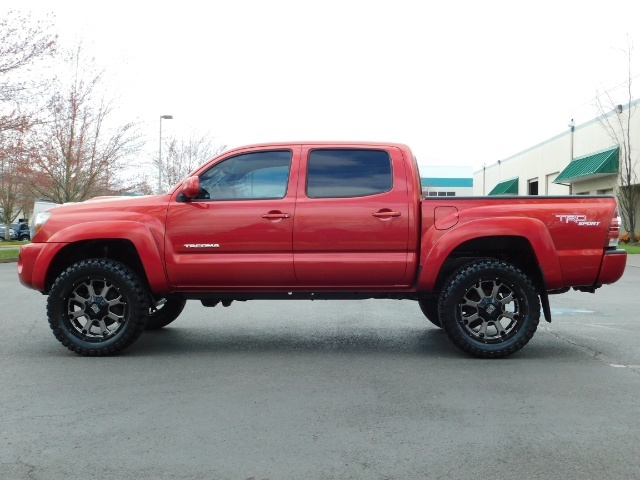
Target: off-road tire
[
  {"x": 106, "y": 290},
  {"x": 489, "y": 308},
  {"x": 429, "y": 307},
  {"x": 166, "y": 313}
]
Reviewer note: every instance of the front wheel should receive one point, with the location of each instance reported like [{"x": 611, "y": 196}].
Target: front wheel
[
  {"x": 97, "y": 307},
  {"x": 489, "y": 308}
]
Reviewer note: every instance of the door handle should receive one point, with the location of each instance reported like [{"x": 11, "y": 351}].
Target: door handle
[
  {"x": 275, "y": 215},
  {"x": 386, "y": 214}
]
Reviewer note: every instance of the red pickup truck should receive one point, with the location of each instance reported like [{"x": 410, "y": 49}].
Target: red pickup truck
[{"x": 317, "y": 221}]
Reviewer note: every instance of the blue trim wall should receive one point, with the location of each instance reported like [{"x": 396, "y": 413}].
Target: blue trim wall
[{"x": 446, "y": 182}]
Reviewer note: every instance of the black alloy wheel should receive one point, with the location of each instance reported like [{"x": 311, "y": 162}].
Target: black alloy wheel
[
  {"x": 489, "y": 308},
  {"x": 97, "y": 307}
]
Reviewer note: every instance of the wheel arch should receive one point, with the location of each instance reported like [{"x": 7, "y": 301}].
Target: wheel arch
[
  {"x": 502, "y": 239},
  {"x": 102, "y": 239},
  {"x": 120, "y": 250}
]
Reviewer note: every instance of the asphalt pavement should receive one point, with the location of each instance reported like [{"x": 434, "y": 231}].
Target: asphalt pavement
[{"x": 323, "y": 390}]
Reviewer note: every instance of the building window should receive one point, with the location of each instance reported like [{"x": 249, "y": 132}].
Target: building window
[
  {"x": 441, "y": 194},
  {"x": 533, "y": 187}
]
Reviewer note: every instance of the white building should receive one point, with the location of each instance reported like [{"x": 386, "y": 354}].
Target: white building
[{"x": 584, "y": 160}]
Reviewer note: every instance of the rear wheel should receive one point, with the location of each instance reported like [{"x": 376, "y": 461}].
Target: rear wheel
[
  {"x": 489, "y": 308},
  {"x": 97, "y": 307},
  {"x": 165, "y": 312}
]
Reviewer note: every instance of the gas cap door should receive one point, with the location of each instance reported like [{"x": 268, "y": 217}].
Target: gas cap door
[{"x": 445, "y": 217}]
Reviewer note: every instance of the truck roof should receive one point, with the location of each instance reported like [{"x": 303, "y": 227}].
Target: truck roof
[{"x": 323, "y": 143}]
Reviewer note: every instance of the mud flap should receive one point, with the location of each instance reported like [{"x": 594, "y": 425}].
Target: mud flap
[{"x": 546, "y": 308}]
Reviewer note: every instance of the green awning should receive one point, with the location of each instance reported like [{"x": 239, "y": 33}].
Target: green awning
[
  {"x": 506, "y": 187},
  {"x": 590, "y": 166}
]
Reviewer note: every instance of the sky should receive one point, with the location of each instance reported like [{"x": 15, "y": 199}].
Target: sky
[{"x": 460, "y": 82}]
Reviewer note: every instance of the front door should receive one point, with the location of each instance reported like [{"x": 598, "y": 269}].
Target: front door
[{"x": 238, "y": 231}]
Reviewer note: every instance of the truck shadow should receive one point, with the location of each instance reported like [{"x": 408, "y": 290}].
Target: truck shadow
[
  {"x": 429, "y": 341},
  {"x": 185, "y": 340}
]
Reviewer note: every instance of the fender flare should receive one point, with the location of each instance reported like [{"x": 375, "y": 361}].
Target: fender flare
[
  {"x": 436, "y": 247},
  {"x": 139, "y": 234}
]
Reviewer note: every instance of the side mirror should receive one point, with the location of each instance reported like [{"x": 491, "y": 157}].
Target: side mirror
[{"x": 190, "y": 187}]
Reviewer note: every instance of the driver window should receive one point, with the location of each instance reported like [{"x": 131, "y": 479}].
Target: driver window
[{"x": 257, "y": 175}]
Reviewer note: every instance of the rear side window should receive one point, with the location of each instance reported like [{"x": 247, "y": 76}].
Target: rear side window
[{"x": 340, "y": 173}]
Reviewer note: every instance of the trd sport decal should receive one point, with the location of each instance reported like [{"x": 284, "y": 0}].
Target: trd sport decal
[{"x": 580, "y": 220}]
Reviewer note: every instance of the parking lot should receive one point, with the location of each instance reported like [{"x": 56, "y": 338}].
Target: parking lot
[{"x": 326, "y": 390}]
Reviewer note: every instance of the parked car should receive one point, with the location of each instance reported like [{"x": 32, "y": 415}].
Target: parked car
[
  {"x": 22, "y": 231},
  {"x": 12, "y": 233}
]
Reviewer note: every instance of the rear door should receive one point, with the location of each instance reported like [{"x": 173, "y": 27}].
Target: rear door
[{"x": 352, "y": 217}]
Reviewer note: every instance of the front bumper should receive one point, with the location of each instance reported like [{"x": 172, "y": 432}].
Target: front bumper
[{"x": 33, "y": 261}]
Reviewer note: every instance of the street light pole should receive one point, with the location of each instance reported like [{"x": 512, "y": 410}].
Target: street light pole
[{"x": 162, "y": 117}]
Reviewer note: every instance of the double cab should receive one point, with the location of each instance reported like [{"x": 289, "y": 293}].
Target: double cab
[{"x": 317, "y": 220}]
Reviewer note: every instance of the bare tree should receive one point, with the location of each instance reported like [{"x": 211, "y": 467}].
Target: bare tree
[
  {"x": 79, "y": 152},
  {"x": 616, "y": 121},
  {"x": 180, "y": 156},
  {"x": 12, "y": 192},
  {"x": 23, "y": 44},
  {"x": 427, "y": 188}
]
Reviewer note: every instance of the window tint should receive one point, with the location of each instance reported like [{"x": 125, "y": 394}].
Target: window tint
[
  {"x": 340, "y": 173},
  {"x": 249, "y": 176}
]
